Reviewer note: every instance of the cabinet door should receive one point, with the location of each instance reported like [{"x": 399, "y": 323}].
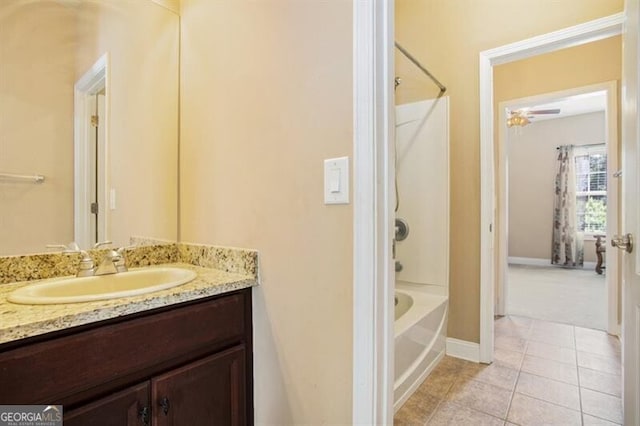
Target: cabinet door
[
  {"x": 210, "y": 391},
  {"x": 128, "y": 407}
]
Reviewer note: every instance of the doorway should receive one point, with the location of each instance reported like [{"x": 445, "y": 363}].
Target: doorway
[
  {"x": 91, "y": 119},
  {"x": 543, "y": 337},
  {"x": 533, "y": 280},
  {"x": 574, "y": 36}
]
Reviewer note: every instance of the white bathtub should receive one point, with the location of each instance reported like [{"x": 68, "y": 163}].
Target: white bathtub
[{"x": 420, "y": 340}]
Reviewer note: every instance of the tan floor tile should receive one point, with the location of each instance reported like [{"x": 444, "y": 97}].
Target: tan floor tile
[
  {"x": 515, "y": 320},
  {"x": 493, "y": 374},
  {"x": 594, "y": 421},
  {"x": 530, "y": 411},
  {"x": 553, "y": 328},
  {"x": 546, "y": 390},
  {"x": 438, "y": 383},
  {"x": 522, "y": 320},
  {"x": 549, "y": 390},
  {"x": 417, "y": 410},
  {"x": 511, "y": 343},
  {"x": 462, "y": 379},
  {"x": 563, "y": 339},
  {"x": 507, "y": 358},
  {"x": 552, "y": 352},
  {"x": 480, "y": 396},
  {"x": 550, "y": 369},
  {"x": 601, "y": 405},
  {"x": 513, "y": 331},
  {"x": 472, "y": 368},
  {"x": 450, "y": 364},
  {"x": 449, "y": 413},
  {"x": 601, "y": 382},
  {"x": 611, "y": 365},
  {"x": 582, "y": 332},
  {"x": 601, "y": 344},
  {"x": 512, "y": 326}
]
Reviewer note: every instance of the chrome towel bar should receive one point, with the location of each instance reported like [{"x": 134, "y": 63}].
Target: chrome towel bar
[{"x": 27, "y": 178}]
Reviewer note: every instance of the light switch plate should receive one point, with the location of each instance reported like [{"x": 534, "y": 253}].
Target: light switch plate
[{"x": 336, "y": 180}]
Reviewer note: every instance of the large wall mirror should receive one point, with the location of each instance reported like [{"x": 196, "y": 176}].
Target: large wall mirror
[{"x": 89, "y": 102}]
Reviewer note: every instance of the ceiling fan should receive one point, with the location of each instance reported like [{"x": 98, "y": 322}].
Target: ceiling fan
[{"x": 522, "y": 117}]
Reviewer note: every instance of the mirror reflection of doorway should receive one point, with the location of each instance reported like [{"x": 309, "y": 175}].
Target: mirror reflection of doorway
[
  {"x": 95, "y": 145},
  {"x": 90, "y": 155}
]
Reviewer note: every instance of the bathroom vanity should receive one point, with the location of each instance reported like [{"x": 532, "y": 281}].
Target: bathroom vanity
[
  {"x": 179, "y": 356},
  {"x": 186, "y": 364}
]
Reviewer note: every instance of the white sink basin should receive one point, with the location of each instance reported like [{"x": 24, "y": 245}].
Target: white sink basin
[{"x": 86, "y": 289}]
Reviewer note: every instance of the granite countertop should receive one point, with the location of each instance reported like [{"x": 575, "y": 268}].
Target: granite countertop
[{"x": 21, "y": 321}]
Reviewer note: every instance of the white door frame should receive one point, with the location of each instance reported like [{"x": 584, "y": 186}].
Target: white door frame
[
  {"x": 569, "y": 37},
  {"x": 92, "y": 82},
  {"x": 373, "y": 273},
  {"x": 631, "y": 213},
  {"x": 610, "y": 89}
]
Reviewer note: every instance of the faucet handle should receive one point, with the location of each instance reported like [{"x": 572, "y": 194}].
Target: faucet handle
[
  {"x": 121, "y": 261},
  {"x": 72, "y": 247},
  {"x": 123, "y": 249},
  {"x": 101, "y": 243},
  {"x": 86, "y": 267}
]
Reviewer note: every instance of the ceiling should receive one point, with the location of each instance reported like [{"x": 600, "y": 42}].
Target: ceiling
[{"x": 569, "y": 106}]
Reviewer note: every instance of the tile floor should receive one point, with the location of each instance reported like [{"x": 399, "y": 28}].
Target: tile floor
[{"x": 544, "y": 373}]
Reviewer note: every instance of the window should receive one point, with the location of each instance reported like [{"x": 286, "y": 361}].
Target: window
[{"x": 591, "y": 189}]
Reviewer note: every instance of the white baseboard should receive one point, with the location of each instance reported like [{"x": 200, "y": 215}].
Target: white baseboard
[
  {"x": 463, "y": 349},
  {"x": 534, "y": 261}
]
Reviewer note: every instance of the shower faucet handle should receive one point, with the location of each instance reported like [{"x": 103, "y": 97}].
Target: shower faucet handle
[{"x": 402, "y": 229}]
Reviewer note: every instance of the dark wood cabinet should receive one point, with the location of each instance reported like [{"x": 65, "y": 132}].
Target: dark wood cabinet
[
  {"x": 189, "y": 364},
  {"x": 129, "y": 407},
  {"x": 206, "y": 392}
]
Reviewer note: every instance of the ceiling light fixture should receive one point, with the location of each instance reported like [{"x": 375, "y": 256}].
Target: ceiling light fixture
[{"x": 517, "y": 118}]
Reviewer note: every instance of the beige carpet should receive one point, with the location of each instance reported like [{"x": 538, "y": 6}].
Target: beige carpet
[{"x": 577, "y": 297}]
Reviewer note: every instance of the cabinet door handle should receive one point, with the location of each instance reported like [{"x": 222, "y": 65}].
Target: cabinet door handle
[
  {"x": 164, "y": 403},
  {"x": 144, "y": 415}
]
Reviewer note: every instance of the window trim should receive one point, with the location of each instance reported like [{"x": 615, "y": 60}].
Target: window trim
[{"x": 588, "y": 150}]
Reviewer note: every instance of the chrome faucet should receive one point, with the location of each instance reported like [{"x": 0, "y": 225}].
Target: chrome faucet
[
  {"x": 108, "y": 264},
  {"x": 86, "y": 267},
  {"x": 112, "y": 263}
]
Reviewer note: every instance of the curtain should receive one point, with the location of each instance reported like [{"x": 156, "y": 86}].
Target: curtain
[{"x": 567, "y": 246}]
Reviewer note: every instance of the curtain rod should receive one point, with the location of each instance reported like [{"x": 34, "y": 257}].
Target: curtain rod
[{"x": 422, "y": 68}]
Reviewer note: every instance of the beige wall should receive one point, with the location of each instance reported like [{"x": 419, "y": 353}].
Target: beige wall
[
  {"x": 266, "y": 95},
  {"x": 37, "y": 43},
  {"x": 532, "y": 170},
  {"x": 447, "y": 36},
  {"x": 142, "y": 39}
]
